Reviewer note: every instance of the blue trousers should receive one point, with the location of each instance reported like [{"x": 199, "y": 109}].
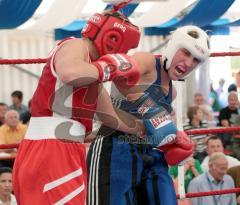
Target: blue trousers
[{"x": 123, "y": 173}]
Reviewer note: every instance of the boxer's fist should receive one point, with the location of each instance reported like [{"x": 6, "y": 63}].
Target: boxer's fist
[
  {"x": 160, "y": 128},
  {"x": 120, "y": 68},
  {"x": 179, "y": 150}
]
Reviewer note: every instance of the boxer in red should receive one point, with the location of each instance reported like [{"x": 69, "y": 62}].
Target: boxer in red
[{"x": 50, "y": 167}]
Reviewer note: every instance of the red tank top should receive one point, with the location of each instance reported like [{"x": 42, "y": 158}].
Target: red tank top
[{"x": 54, "y": 98}]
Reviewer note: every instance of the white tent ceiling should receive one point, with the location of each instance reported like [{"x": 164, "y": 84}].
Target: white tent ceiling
[{"x": 57, "y": 13}]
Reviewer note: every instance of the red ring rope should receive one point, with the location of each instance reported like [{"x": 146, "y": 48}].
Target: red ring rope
[
  {"x": 23, "y": 61},
  {"x": 44, "y": 60},
  {"x": 8, "y": 146},
  {"x": 213, "y": 130},
  {"x": 211, "y": 193}
]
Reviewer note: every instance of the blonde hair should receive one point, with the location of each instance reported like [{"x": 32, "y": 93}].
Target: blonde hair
[{"x": 215, "y": 156}]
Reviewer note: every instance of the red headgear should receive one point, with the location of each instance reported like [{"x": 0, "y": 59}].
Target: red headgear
[{"x": 111, "y": 34}]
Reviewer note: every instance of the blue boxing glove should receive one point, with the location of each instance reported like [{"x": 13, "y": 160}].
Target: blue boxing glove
[{"x": 160, "y": 128}]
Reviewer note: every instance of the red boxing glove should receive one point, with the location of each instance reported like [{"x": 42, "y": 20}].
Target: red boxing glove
[
  {"x": 120, "y": 68},
  {"x": 179, "y": 150}
]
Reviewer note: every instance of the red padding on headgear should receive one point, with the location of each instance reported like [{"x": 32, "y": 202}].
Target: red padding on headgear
[{"x": 111, "y": 34}]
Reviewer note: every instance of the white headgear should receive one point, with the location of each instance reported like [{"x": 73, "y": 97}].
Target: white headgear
[{"x": 192, "y": 38}]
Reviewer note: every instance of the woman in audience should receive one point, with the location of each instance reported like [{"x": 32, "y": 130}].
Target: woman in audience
[
  {"x": 195, "y": 117},
  {"x": 192, "y": 168}
]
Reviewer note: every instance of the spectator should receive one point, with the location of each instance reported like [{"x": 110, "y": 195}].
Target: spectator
[
  {"x": 235, "y": 139},
  {"x": 25, "y": 117},
  {"x": 206, "y": 109},
  {"x": 224, "y": 98},
  {"x": 3, "y": 110},
  {"x": 232, "y": 87},
  {"x": 17, "y": 97},
  {"x": 214, "y": 144},
  {"x": 215, "y": 179},
  {"x": 192, "y": 168},
  {"x": 195, "y": 117},
  {"x": 6, "y": 196},
  {"x": 234, "y": 172},
  {"x": 228, "y": 113},
  {"x": 213, "y": 100},
  {"x": 13, "y": 130},
  {"x": 220, "y": 89}
]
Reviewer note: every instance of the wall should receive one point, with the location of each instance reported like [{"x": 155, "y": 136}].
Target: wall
[{"x": 22, "y": 44}]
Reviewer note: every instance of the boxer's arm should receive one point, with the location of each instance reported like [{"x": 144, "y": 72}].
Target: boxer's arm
[
  {"x": 116, "y": 118},
  {"x": 71, "y": 63}
]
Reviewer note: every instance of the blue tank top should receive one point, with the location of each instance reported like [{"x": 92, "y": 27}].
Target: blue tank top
[{"x": 155, "y": 91}]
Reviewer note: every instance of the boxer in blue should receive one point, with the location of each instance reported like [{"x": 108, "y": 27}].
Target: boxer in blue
[{"x": 125, "y": 169}]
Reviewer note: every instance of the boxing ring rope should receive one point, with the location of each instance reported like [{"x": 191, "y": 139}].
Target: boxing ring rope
[
  {"x": 9, "y": 146},
  {"x": 189, "y": 132},
  {"x": 44, "y": 60},
  {"x": 211, "y": 193},
  {"x": 213, "y": 130}
]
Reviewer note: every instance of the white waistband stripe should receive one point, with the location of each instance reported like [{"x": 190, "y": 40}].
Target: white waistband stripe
[{"x": 45, "y": 128}]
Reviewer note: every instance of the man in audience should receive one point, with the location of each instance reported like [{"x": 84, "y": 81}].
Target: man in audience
[
  {"x": 13, "y": 130},
  {"x": 17, "y": 97},
  {"x": 228, "y": 113},
  {"x": 3, "y": 110},
  {"x": 6, "y": 196},
  {"x": 215, "y": 179},
  {"x": 234, "y": 172},
  {"x": 235, "y": 139},
  {"x": 214, "y": 144},
  {"x": 199, "y": 101},
  {"x": 25, "y": 116}
]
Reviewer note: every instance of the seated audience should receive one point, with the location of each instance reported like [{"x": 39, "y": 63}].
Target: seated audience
[
  {"x": 17, "y": 97},
  {"x": 25, "y": 116},
  {"x": 234, "y": 172},
  {"x": 195, "y": 117},
  {"x": 6, "y": 196},
  {"x": 214, "y": 144},
  {"x": 215, "y": 179},
  {"x": 13, "y": 130},
  {"x": 199, "y": 101},
  {"x": 3, "y": 110},
  {"x": 192, "y": 168},
  {"x": 235, "y": 139},
  {"x": 228, "y": 113},
  {"x": 214, "y": 100},
  {"x": 227, "y": 116}
]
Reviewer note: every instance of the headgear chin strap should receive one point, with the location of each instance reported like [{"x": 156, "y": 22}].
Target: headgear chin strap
[
  {"x": 111, "y": 34},
  {"x": 192, "y": 38}
]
